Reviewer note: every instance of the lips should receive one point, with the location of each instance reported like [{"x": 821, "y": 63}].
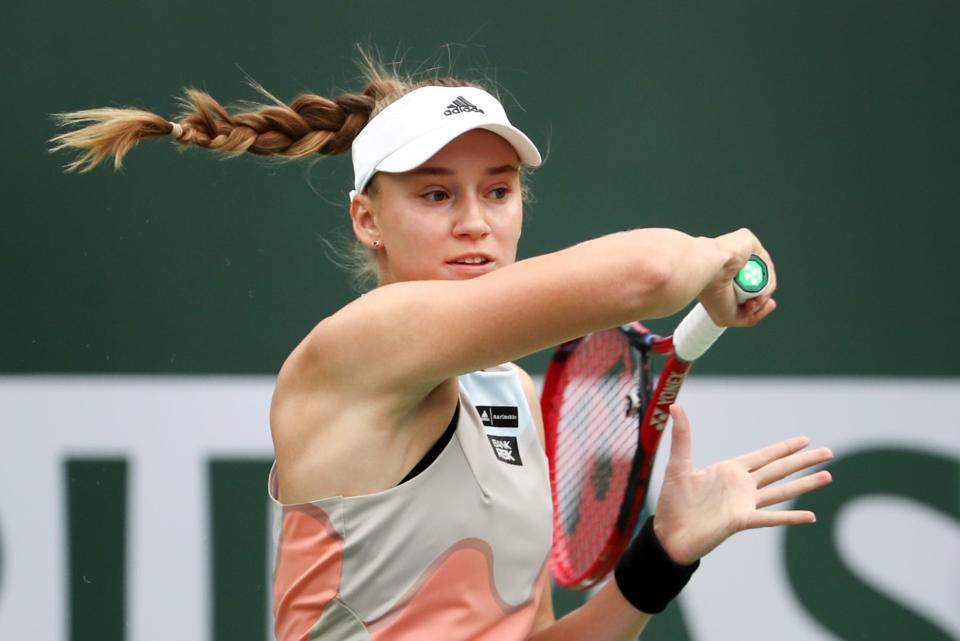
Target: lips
[
  {"x": 472, "y": 264},
  {"x": 471, "y": 260}
]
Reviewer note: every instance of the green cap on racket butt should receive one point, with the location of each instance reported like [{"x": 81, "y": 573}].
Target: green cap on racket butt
[
  {"x": 697, "y": 332},
  {"x": 751, "y": 280}
]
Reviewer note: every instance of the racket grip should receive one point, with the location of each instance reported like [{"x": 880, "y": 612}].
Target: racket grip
[
  {"x": 697, "y": 331},
  {"x": 695, "y": 334}
]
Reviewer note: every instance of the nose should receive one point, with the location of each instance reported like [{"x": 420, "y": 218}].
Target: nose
[{"x": 471, "y": 221}]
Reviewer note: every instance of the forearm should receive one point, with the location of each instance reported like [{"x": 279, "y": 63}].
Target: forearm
[
  {"x": 689, "y": 264},
  {"x": 608, "y": 616},
  {"x": 638, "y": 275},
  {"x": 618, "y": 278}
]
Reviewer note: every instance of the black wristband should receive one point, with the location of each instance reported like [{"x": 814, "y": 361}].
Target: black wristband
[{"x": 647, "y": 577}]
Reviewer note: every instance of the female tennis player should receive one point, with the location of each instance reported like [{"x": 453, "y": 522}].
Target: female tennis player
[{"x": 412, "y": 488}]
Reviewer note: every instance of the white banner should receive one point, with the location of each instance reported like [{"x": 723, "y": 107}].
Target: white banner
[{"x": 168, "y": 429}]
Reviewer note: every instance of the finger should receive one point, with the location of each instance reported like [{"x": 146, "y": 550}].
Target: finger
[
  {"x": 764, "y": 304},
  {"x": 784, "y": 467},
  {"x": 761, "y": 457},
  {"x": 759, "y": 311},
  {"x": 767, "y": 310},
  {"x": 792, "y": 489},
  {"x": 773, "y": 519},
  {"x": 749, "y": 314},
  {"x": 680, "y": 449},
  {"x": 754, "y": 305}
]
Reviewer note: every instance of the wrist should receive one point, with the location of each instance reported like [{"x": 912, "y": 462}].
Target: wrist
[
  {"x": 673, "y": 552},
  {"x": 646, "y": 574}
]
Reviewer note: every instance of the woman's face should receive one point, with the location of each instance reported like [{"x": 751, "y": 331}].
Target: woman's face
[{"x": 456, "y": 216}]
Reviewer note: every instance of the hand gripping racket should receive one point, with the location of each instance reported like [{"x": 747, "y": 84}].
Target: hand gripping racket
[{"x": 603, "y": 422}]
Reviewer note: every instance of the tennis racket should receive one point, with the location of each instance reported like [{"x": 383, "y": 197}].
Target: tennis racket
[{"x": 603, "y": 421}]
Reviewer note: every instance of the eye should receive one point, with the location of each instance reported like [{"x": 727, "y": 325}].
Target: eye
[
  {"x": 436, "y": 196},
  {"x": 500, "y": 192}
]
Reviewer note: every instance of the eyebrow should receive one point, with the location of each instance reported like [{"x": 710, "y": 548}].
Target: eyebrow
[{"x": 443, "y": 171}]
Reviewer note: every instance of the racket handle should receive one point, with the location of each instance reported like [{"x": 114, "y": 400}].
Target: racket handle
[
  {"x": 695, "y": 334},
  {"x": 697, "y": 331}
]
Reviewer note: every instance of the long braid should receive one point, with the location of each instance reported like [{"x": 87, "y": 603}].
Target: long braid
[{"x": 309, "y": 125}]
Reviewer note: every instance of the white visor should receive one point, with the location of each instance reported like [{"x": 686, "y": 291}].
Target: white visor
[{"x": 412, "y": 129}]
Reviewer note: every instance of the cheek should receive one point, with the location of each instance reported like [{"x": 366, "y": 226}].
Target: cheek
[
  {"x": 508, "y": 233},
  {"x": 513, "y": 223},
  {"x": 408, "y": 227},
  {"x": 417, "y": 242}
]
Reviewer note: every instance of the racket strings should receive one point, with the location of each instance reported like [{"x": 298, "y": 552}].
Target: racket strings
[{"x": 596, "y": 445}]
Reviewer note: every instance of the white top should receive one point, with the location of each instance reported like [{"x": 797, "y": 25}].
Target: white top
[{"x": 457, "y": 552}]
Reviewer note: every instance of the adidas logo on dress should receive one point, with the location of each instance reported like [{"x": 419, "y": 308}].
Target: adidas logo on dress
[{"x": 461, "y": 105}]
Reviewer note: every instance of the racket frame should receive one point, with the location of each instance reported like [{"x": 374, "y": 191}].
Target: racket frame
[{"x": 655, "y": 407}]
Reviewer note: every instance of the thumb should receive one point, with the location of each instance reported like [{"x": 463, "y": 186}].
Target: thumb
[{"x": 680, "y": 439}]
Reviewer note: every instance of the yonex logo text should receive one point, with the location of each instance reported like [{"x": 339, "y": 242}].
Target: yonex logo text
[
  {"x": 670, "y": 388},
  {"x": 461, "y": 105}
]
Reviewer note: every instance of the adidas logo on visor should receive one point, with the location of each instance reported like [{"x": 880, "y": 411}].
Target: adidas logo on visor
[{"x": 461, "y": 105}]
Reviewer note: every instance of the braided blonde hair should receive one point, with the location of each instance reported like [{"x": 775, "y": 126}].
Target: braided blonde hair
[{"x": 310, "y": 125}]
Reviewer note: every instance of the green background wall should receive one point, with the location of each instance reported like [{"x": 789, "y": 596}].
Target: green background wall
[{"x": 829, "y": 128}]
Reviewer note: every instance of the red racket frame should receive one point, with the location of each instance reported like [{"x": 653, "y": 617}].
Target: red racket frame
[{"x": 650, "y": 430}]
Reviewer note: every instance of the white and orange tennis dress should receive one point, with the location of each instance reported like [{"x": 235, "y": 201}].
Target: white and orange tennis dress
[{"x": 456, "y": 552}]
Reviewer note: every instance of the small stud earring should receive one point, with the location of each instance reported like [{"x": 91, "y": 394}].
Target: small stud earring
[{"x": 376, "y": 244}]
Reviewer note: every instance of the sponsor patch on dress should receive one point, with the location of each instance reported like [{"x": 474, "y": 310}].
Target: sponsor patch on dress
[
  {"x": 506, "y": 449},
  {"x": 499, "y": 415}
]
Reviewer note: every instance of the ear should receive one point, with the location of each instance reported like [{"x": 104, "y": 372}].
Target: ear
[{"x": 364, "y": 220}]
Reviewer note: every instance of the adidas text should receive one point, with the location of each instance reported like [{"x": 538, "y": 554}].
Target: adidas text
[{"x": 461, "y": 105}]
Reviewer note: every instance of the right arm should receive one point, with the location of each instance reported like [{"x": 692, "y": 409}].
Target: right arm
[
  {"x": 390, "y": 357},
  {"x": 406, "y": 338}
]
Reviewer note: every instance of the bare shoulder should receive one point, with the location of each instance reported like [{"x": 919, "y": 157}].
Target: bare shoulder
[
  {"x": 335, "y": 439},
  {"x": 364, "y": 348},
  {"x": 533, "y": 398}
]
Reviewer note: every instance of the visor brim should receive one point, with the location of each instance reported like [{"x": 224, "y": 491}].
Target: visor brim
[{"x": 422, "y": 149}]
